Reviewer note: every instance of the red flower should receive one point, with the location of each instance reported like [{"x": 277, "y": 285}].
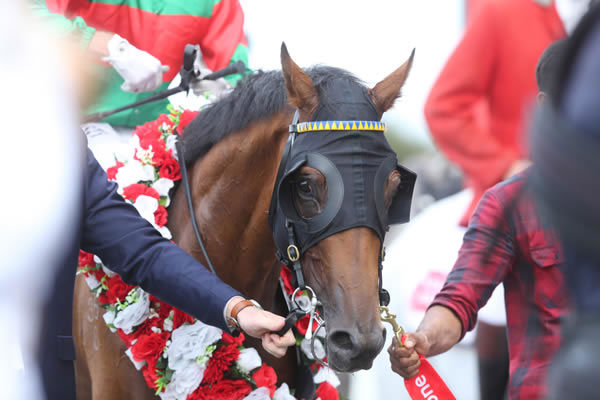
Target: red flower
[
  {"x": 145, "y": 329},
  {"x": 235, "y": 340},
  {"x": 133, "y": 191},
  {"x": 220, "y": 362},
  {"x": 149, "y": 136},
  {"x": 170, "y": 170},
  {"x": 160, "y": 216},
  {"x": 112, "y": 171},
  {"x": 184, "y": 119},
  {"x": 150, "y": 374},
  {"x": 223, "y": 390},
  {"x": 266, "y": 377},
  {"x": 86, "y": 259},
  {"x": 149, "y": 133},
  {"x": 180, "y": 318},
  {"x": 117, "y": 289},
  {"x": 149, "y": 347},
  {"x": 327, "y": 392},
  {"x": 302, "y": 324},
  {"x": 286, "y": 276},
  {"x": 163, "y": 309},
  {"x": 161, "y": 155}
]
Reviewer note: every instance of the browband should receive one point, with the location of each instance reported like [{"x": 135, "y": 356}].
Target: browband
[{"x": 315, "y": 126}]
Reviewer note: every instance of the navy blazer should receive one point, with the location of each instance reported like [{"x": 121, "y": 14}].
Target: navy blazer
[{"x": 130, "y": 246}]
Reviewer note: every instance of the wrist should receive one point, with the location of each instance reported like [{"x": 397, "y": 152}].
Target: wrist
[
  {"x": 232, "y": 309},
  {"x": 98, "y": 44}
]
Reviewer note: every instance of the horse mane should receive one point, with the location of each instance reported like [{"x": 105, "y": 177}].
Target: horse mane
[{"x": 259, "y": 96}]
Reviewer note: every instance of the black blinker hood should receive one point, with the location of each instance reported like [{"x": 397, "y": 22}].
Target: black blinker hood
[{"x": 356, "y": 165}]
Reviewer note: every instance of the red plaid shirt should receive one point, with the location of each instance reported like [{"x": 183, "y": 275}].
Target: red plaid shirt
[{"x": 507, "y": 243}]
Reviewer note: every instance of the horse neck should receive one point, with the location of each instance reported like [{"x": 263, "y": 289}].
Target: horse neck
[{"x": 231, "y": 189}]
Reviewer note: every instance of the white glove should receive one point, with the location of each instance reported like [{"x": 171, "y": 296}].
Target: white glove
[
  {"x": 141, "y": 71},
  {"x": 209, "y": 89}
]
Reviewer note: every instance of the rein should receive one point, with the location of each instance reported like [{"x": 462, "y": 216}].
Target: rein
[{"x": 188, "y": 197}]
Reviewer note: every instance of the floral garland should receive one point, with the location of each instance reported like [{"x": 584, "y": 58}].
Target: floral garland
[{"x": 180, "y": 357}]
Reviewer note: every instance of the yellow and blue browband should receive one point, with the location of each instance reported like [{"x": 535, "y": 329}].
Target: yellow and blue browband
[{"x": 316, "y": 126}]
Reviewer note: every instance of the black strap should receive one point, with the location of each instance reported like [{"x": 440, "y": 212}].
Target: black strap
[
  {"x": 188, "y": 197},
  {"x": 281, "y": 169},
  {"x": 384, "y": 295}
]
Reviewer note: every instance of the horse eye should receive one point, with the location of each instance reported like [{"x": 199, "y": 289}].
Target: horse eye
[{"x": 304, "y": 186}]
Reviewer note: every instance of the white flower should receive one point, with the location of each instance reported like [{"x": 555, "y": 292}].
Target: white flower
[
  {"x": 164, "y": 231},
  {"x": 168, "y": 325},
  {"x": 162, "y": 186},
  {"x": 133, "y": 172},
  {"x": 146, "y": 206},
  {"x": 109, "y": 318},
  {"x": 170, "y": 143},
  {"x": 134, "y": 143},
  {"x": 184, "y": 381},
  {"x": 97, "y": 259},
  {"x": 190, "y": 342},
  {"x": 262, "y": 393},
  {"x": 249, "y": 360},
  {"x": 134, "y": 314},
  {"x": 305, "y": 346},
  {"x": 145, "y": 155},
  {"x": 326, "y": 374},
  {"x": 92, "y": 282},
  {"x": 283, "y": 393},
  {"x": 137, "y": 364}
]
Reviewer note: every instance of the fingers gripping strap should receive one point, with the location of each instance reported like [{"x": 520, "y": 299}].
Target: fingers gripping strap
[{"x": 427, "y": 384}]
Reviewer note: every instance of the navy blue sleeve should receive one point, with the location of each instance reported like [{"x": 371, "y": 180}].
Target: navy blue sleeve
[{"x": 131, "y": 247}]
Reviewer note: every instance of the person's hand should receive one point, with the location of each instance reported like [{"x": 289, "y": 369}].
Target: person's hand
[
  {"x": 260, "y": 324},
  {"x": 208, "y": 88},
  {"x": 405, "y": 359},
  {"x": 141, "y": 71},
  {"x": 517, "y": 167}
]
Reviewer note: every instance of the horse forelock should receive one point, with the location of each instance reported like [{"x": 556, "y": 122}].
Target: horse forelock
[{"x": 258, "y": 97}]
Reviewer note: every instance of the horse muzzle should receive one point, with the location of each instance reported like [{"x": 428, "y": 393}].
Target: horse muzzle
[{"x": 351, "y": 350}]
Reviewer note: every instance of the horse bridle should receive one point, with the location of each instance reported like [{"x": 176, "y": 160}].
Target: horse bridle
[{"x": 292, "y": 254}]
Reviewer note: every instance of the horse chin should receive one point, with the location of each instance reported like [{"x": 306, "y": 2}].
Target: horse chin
[
  {"x": 341, "y": 361},
  {"x": 343, "y": 364}
]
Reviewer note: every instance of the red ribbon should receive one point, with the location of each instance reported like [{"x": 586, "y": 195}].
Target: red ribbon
[{"x": 427, "y": 385}]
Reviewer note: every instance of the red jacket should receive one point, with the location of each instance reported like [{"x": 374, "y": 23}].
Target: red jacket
[{"x": 475, "y": 109}]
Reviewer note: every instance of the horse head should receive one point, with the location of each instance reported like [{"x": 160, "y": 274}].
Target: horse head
[{"x": 340, "y": 187}]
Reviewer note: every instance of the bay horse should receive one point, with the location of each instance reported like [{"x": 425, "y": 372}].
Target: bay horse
[{"x": 233, "y": 150}]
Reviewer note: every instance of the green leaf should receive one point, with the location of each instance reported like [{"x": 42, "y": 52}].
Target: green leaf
[{"x": 161, "y": 363}]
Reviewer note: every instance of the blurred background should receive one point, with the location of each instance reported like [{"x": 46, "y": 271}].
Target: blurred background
[{"x": 369, "y": 39}]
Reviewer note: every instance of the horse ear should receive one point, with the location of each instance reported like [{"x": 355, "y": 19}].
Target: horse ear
[
  {"x": 301, "y": 92},
  {"x": 388, "y": 90}
]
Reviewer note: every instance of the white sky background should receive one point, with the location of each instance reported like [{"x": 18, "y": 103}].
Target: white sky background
[{"x": 368, "y": 38}]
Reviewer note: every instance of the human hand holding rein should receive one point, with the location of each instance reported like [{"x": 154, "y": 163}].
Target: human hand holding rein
[
  {"x": 405, "y": 357},
  {"x": 259, "y": 323}
]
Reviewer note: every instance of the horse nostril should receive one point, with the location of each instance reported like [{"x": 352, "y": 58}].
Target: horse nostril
[{"x": 342, "y": 339}]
